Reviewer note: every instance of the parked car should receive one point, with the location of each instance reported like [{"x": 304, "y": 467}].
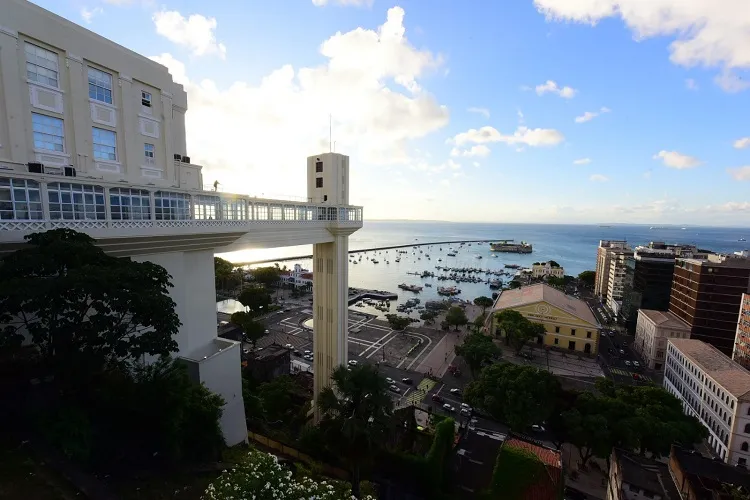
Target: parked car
[
  {"x": 289, "y": 346},
  {"x": 352, "y": 362},
  {"x": 448, "y": 407},
  {"x": 627, "y": 363},
  {"x": 636, "y": 364},
  {"x": 437, "y": 398},
  {"x": 307, "y": 352},
  {"x": 407, "y": 381},
  {"x": 455, "y": 391},
  {"x": 390, "y": 380},
  {"x": 297, "y": 353},
  {"x": 622, "y": 351},
  {"x": 537, "y": 428},
  {"x": 395, "y": 389}
]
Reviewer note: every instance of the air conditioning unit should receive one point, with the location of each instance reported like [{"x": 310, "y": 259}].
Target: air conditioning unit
[
  {"x": 35, "y": 168},
  {"x": 177, "y": 157},
  {"x": 185, "y": 159},
  {"x": 70, "y": 171}
]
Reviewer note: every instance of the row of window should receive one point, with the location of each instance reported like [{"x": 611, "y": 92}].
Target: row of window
[
  {"x": 710, "y": 384},
  {"x": 42, "y": 67},
  {"x": 573, "y": 332}
]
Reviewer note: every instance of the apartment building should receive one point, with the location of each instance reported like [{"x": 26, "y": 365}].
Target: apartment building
[
  {"x": 714, "y": 389},
  {"x": 706, "y": 294},
  {"x": 653, "y": 330},
  {"x": 604, "y": 254},
  {"x": 741, "y": 352},
  {"x": 620, "y": 279}
]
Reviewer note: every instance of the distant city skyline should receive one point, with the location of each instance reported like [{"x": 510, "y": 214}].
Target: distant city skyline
[{"x": 602, "y": 112}]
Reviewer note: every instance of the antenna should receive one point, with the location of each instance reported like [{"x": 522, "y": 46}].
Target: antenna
[{"x": 330, "y": 132}]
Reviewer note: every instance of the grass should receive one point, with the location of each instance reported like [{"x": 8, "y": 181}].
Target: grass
[{"x": 23, "y": 477}]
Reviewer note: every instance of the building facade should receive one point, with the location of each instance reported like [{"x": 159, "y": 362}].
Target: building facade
[
  {"x": 604, "y": 255},
  {"x": 653, "y": 330},
  {"x": 741, "y": 353},
  {"x": 633, "y": 477},
  {"x": 706, "y": 294},
  {"x": 92, "y": 138},
  {"x": 714, "y": 389},
  {"x": 545, "y": 269},
  {"x": 298, "y": 277},
  {"x": 568, "y": 322},
  {"x": 620, "y": 279}
]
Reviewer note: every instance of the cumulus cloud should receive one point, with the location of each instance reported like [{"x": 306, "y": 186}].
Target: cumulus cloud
[
  {"x": 480, "y": 150},
  {"x": 582, "y": 161},
  {"x": 740, "y": 173},
  {"x": 344, "y": 3},
  {"x": 742, "y": 143},
  {"x": 537, "y": 137},
  {"x": 480, "y": 111},
  {"x": 195, "y": 32},
  {"x": 590, "y": 115},
  {"x": 89, "y": 14},
  {"x": 706, "y": 33},
  {"x": 267, "y": 130},
  {"x": 598, "y": 178},
  {"x": 550, "y": 86},
  {"x": 679, "y": 161},
  {"x": 691, "y": 84}
]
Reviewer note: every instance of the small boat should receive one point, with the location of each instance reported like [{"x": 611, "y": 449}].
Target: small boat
[{"x": 742, "y": 239}]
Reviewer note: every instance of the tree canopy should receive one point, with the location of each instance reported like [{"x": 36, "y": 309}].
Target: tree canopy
[
  {"x": 587, "y": 278},
  {"x": 456, "y": 317},
  {"x": 225, "y": 274},
  {"x": 398, "y": 322},
  {"x": 477, "y": 349},
  {"x": 256, "y": 298},
  {"x": 428, "y": 316},
  {"x": 516, "y": 329},
  {"x": 267, "y": 275},
  {"x": 483, "y": 302},
  {"x": 252, "y": 329}
]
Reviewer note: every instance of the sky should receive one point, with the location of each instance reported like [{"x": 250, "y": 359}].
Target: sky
[{"x": 559, "y": 111}]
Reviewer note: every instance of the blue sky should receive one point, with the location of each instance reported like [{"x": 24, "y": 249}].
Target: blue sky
[{"x": 665, "y": 84}]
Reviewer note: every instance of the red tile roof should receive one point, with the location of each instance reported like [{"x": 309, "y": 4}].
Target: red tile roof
[{"x": 549, "y": 486}]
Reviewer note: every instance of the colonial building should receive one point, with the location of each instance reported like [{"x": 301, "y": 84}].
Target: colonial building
[
  {"x": 546, "y": 269},
  {"x": 741, "y": 353},
  {"x": 652, "y": 331},
  {"x": 714, "y": 389},
  {"x": 298, "y": 277},
  {"x": 568, "y": 322}
]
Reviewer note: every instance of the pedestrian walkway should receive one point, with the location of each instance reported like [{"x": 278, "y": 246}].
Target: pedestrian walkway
[
  {"x": 625, "y": 373},
  {"x": 416, "y": 396}
]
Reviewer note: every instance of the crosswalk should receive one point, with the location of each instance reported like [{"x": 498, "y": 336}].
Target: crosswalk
[
  {"x": 625, "y": 373},
  {"x": 417, "y": 395}
]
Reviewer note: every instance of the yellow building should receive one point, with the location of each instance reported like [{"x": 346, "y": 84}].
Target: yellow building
[
  {"x": 544, "y": 269},
  {"x": 569, "y": 322}
]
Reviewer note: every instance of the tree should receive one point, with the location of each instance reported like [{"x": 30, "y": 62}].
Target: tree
[
  {"x": 516, "y": 329},
  {"x": 224, "y": 273},
  {"x": 556, "y": 282},
  {"x": 428, "y": 316},
  {"x": 252, "y": 330},
  {"x": 477, "y": 349},
  {"x": 255, "y": 298},
  {"x": 479, "y": 322},
  {"x": 356, "y": 416},
  {"x": 515, "y": 471},
  {"x": 398, "y": 322},
  {"x": 267, "y": 276},
  {"x": 587, "y": 278},
  {"x": 456, "y": 317},
  {"x": 83, "y": 309},
  {"x": 517, "y": 395},
  {"x": 514, "y": 284},
  {"x": 483, "y": 302}
]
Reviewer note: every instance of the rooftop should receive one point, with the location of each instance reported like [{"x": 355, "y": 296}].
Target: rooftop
[
  {"x": 719, "y": 260},
  {"x": 646, "y": 474},
  {"x": 727, "y": 373},
  {"x": 545, "y": 293},
  {"x": 549, "y": 485},
  {"x": 664, "y": 319},
  {"x": 706, "y": 475}
]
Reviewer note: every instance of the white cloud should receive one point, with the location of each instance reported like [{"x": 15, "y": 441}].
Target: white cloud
[
  {"x": 476, "y": 164},
  {"x": 706, "y": 33},
  {"x": 479, "y": 150},
  {"x": 730, "y": 206},
  {"x": 740, "y": 173},
  {"x": 268, "y": 129},
  {"x": 742, "y": 143},
  {"x": 480, "y": 111},
  {"x": 691, "y": 84},
  {"x": 445, "y": 182},
  {"x": 679, "y": 161},
  {"x": 582, "y": 161},
  {"x": 552, "y": 87},
  {"x": 195, "y": 32},
  {"x": 523, "y": 135},
  {"x": 598, "y": 178},
  {"x": 729, "y": 82},
  {"x": 88, "y": 14},
  {"x": 344, "y": 3},
  {"x": 590, "y": 115}
]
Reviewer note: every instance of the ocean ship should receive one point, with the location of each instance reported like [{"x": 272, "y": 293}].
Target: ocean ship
[{"x": 509, "y": 246}]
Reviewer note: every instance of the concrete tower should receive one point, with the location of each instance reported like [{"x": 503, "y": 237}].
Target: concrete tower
[{"x": 328, "y": 184}]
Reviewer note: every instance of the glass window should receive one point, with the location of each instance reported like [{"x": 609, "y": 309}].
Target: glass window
[
  {"x": 318, "y": 182},
  {"x": 171, "y": 206},
  {"x": 207, "y": 207},
  {"x": 75, "y": 201},
  {"x": 146, "y": 98},
  {"x": 234, "y": 209},
  {"x": 41, "y": 65},
  {"x": 49, "y": 132},
  {"x": 105, "y": 144},
  {"x": 20, "y": 199},
  {"x": 148, "y": 152},
  {"x": 100, "y": 86},
  {"x": 129, "y": 204},
  {"x": 261, "y": 212}
]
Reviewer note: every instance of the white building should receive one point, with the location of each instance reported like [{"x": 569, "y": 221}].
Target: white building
[
  {"x": 714, "y": 389},
  {"x": 604, "y": 253},
  {"x": 546, "y": 269},
  {"x": 620, "y": 277},
  {"x": 652, "y": 331},
  {"x": 92, "y": 138},
  {"x": 298, "y": 277}
]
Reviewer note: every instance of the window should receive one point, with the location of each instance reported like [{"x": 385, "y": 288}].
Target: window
[
  {"x": 148, "y": 152},
  {"x": 557, "y": 329},
  {"x": 588, "y": 335},
  {"x": 100, "y": 86},
  {"x": 318, "y": 182},
  {"x": 234, "y": 209},
  {"x": 207, "y": 207},
  {"x": 49, "y": 132},
  {"x": 261, "y": 212},
  {"x": 171, "y": 206},
  {"x": 146, "y": 98},
  {"x": 318, "y": 166},
  {"x": 20, "y": 199},
  {"x": 557, "y": 341},
  {"x": 572, "y": 331},
  {"x": 41, "y": 65},
  {"x": 129, "y": 204},
  {"x": 741, "y": 461},
  {"x": 105, "y": 144},
  {"x": 744, "y": 446},
  {"x": 75, "y": 201},
  {"x": 747, "y": 428}
]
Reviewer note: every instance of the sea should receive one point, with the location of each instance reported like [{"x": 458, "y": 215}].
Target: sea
[{"x": 572, "y": 246}]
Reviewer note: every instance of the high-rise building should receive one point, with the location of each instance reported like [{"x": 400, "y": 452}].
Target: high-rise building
[
  {"x": 741, "y": 353},
  {"x": 706, "y": 294},
  {"x": 620, "y": 279},
  {"x": 604, "y": 254}
]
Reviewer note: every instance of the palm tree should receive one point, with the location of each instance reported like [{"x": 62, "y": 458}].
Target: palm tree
[{"x": 356, "y": 414}]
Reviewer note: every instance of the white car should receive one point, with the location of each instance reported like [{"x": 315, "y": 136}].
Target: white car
[
  {"x": 447, "y": 407},
  {"x": 390, "y": 380},
  {"x": 636, "y": 364},
  {"x": 627, "y": 363},
  {"x": 464, "y": 405},
  {"x": 455, "y": 391},
  {"x": 307, "y": 352},
  {"x": 352, "y": 362},
  {"x": 289, "y": 346},
  {"x": 537, "y": 428},
  {"x": 395, "y": 389}
]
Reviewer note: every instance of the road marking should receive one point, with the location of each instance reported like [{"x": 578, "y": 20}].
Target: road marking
[
  {"x": 382, "y": 346},
  {"x": 376, "y": 342},
  {"x": 429, "y": 343}
]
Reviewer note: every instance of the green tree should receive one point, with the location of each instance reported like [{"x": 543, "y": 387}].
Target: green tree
[
  {"x": 517, "y": 395},
  {"x": 225, "y": 274},
  {"x": 267, "y": 275},
  {"x": 428, "y": 317},
  {"x": 516, "y": 329},
  {"x": 397, "y": 322},
  {"x": 256, "y": 299},
  {"x": 587, "y": 427},
  {"x": 556, "y": 282},
  {"x": 514, "y": 284},
  {"x": 456, "y": 317},
  {"x": 84, "y": 310},
  {"x": 252, "y": 329},
  {"x": 477, "y": 349},
  {"x": 440, "y": 457},
  {"x": 479, "y": 322},
  {"x": 357, "y": 412},
  {"x": 483, "y": 302},
  {"x": 587, "y": 278}
]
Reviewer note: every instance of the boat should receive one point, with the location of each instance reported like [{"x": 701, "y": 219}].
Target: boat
[
  {"x": 428, "y": 285},
  {"x": 512, "y": 266},
  {"x": 495, "y": 284},
  {"x": 742, "y": 239},
  {"x": 509, "y": 246},
  {"x": 451, "y": 254},
  {"x": 398, "y": 259},
  {"x": 375, "y": 261},
  {"x": 479, "y": 256}
]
